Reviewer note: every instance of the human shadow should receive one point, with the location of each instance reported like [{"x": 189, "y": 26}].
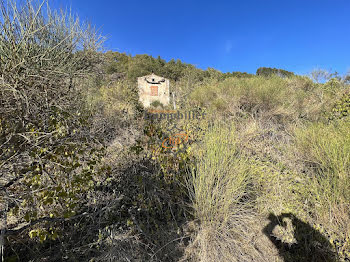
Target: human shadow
[{"x": 308, "y": 245}]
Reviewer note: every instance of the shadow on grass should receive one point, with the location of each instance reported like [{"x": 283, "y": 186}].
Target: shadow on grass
[{"x": 309, "y": 245}]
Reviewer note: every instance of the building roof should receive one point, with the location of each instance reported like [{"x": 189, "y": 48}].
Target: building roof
[{"x": 153, "y": 79}]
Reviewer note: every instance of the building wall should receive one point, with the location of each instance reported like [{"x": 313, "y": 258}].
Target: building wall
[{"x": 153, "y": 88}]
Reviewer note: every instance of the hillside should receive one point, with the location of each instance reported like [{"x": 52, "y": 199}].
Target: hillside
[{"x": 262, "y": 175}]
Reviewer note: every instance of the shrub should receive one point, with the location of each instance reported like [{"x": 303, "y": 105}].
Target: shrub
[
  {"x": 267, "y": 72},
  {"x": 157, "y": 104},
  {"x": 341, "y": 108},
  {"x": 277, "y": 98},
  {"x": 48, "y": 159}
]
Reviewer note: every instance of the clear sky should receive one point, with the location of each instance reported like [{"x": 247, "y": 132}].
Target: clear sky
[{"x": 296, "y": 35}]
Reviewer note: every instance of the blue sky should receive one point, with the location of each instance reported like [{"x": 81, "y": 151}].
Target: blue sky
[{"x": 296, "y": 35}]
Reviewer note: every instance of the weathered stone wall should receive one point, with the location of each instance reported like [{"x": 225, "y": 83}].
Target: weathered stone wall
[{"x": 153, "y": 88}]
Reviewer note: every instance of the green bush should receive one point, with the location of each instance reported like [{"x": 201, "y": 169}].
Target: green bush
[
  {"x": 157, "y": 104},
  {"x": 341, "y": 109},
  {"x": 267, "y": 72}
]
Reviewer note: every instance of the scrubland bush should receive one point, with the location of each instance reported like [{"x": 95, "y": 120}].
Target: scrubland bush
[
  {"x": 268, "y": 72},
  {"x": 277, "y": 98},
  {"x": 156, "y": 104},
  {"x": 48, "y": 157},
  {"x": 116, "y": 109},
  {"x": 341, "y": 108}
]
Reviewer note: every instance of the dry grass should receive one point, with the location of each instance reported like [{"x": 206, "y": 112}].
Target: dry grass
[
  {"x": 220, "y": 189},
  {"x": 277, "y": 167},
  {"x": 284, "y": 100},
  {"x": 325, "y": 149}
]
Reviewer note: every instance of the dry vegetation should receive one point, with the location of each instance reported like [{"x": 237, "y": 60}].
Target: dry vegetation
[{"x": 263, "y": 177}]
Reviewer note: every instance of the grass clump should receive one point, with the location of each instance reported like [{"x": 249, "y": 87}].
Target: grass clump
[
  {"x": 220, "y": 190},
  {"x": 221, "y": 178},
  {"x": 325, "y": 149}
]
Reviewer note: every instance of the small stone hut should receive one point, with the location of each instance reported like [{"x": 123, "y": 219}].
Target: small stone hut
[{"x": 153, "y": 88}]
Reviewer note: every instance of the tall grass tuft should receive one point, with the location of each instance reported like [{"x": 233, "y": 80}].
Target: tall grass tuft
[
  {"x": 220, "y": 192},
  {"x": 326, "y": 150}
]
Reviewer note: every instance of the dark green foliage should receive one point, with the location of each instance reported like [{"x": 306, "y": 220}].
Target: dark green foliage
[
  {"x": 267, "y": 71},
  {"x": 239, "y": 74},
  {"x": 131, "y": 67},
  {"x": 157, "y": 104}
]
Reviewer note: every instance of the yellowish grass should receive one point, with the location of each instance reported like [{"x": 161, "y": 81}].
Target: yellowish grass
[{"x": 220, "y": 189}]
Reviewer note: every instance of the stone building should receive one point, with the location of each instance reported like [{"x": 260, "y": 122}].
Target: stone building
[{"x": 153, "y": 88}]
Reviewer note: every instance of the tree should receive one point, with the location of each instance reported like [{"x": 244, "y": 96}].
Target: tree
[
  {"x": 346, "y": 78},
  {"x": 267, "y": 72},
  {"x": 320, "y": 75}
]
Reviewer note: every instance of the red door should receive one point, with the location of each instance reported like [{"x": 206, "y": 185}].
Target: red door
[{"x": 154, "y": 90}]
